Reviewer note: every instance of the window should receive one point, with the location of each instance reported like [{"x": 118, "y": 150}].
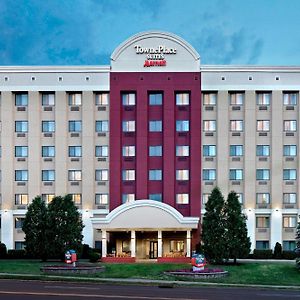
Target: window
[
  {"x": 289, "y": 150},
  {"x": 74, "y": 126},
  {"x": 289, "y": 198},
  {"x": 128, "y": 99},
  {"x": 182, "y": 174},
  {"x": 236, "y": 150},
  {"x": 182, "y": 198},
  {"x": 155, "y": 174},
  {"x": 209, "y": 174},
  {"x": 262, "y": 174},
  {"x": 210, "y": 98},
  {"x": 21, "y": 126},
  {"x": 209, "y": 126},
  {"x": 205, "y": 198},
  {"x": 74, "y": 175},
  {"x": 209, "y": 150},
  {"x": 19, "y": 222},
  {"x": 128, "y": 150},
  {"x": 288, "y": 245},
  {"x": 101, "y": 151},
  {"x": 176, "y": 246},
  {"x": 262, "y": 150},
  {"x": 21, "y": 99},
  {"x": 155, "y": 98},
  {"x": 155, "y": 126},
  {"x": 48, "y": 175},
  {"x": 76, "y": 198},
  {"x": 182, "y": 150},
  {"x": 262, "y": 198},
  {"x": 74, "y": 99},
  {"x": 101, "y": 98},
  {"x": 128, "y": 175},
  {"x": 48, "y": 126},
  {"x": 236, "y": 98},
  {"x": 155, "y": 150},
  {"x": 263, "y": 98},
  {"x": 236, "y": 125},
  {"x": 21, "y": 199},
  {"x": 21, "y": 175},
  {"x": 75, "y": 151},
  {"x": 101, "y": 126},
  {"x": 263, "y": 125},
  {"x": 290, "y": 125},
  {"x": 155, "y": 197},
  {"x": 101, "y": 175},
  {"x": 235, "y": 174},
  {"x": 128, "y": 198},
  {"x": 289, "y": 174},
  {"x": 182, "y": 98},
  {"x": 101, "y": 199},
  {"x": 128, "y": 126},
  {"x": 289, "y": 222},
  {"x": 262, "y": 222},
  {"x": 48, "y": 151},
  {"x": 182, "y": 125},
  {"x": 48, "y": 99},
  {"x": 21, "y": 151},
  {"x": 48, "y": 198},
  {"x": 262, "y": 245},
  {"x": 290, "y": 98}
]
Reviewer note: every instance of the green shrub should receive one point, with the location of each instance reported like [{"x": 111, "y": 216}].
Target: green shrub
[
  {"x": 94, "y": 256},
  {"x": 277, "y": 251},
  {"x": 262, "y": 253},
  {"x": 85, "y": 251},
  {"x": 288, "y": 255},
  {"x": 16, "y": 254},
  {"x": 3, "y": 250}
]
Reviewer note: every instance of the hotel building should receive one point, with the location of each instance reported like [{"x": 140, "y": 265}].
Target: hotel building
[{"x": 141, "y": 143}]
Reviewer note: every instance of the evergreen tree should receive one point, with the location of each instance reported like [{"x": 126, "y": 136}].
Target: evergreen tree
[
  {"x": 213, "y": 229},
  {"x": 36, "y": 229},
  {"x": 297, "y": 250},
  {"x": 236, "y": 235}
]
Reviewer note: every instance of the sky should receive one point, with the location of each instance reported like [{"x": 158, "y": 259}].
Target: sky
[{"x": 86, "y": 32}]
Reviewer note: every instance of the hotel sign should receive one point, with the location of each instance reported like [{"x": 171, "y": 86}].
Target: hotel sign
[{"x": 155, "y": 56}]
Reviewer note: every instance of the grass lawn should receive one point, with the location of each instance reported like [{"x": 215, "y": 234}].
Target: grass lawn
[{"x": 247, "y": 273}]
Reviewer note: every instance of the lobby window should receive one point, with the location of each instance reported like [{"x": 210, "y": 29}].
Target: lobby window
[
  {"x": 290, "y": 98},
  {"x": 77, "y": 199},
  {"x": 182, "y": 198},
  {"x": 21, "y": 199},
  {"x": 262, "y": 245},
  {"x": 75, "y": 99},
  {"x": 128, "y": 198},
  {"x": 155, "y": 126},
  {"x": 155, "y": 98},
  {"x": 48, "y": 198},
  {"x": 75, "y": 151},
  {"x": 236, "y": 125},
  {"x": 101, "y": 199},
  {"x": 128, "y": 151},
  {"x": 182, "y": 150},
  {"x": 21, "y": 151},
  {"x": 21, "y": 99},
  {"x": 262, "y": 198},
  {"x": 101, "y": 175},
  {"x": 236, "y": 150},
  {"x": 101, "y": 151},
  {"x": 176, "y": 246},
  {"x": 155, "y": 174},
  {"x": 263, "y": 125},
  {"x": 182, "y": 174},
  {"x": 262, "y": 222},
  {"x": 289, "y": 150},
  {"x": 209, "y": 174},
  {"x": 263, "y": 98},
  {"x": 48, "y": 99},
  {"x": 21, "y": 126},
  {"x": 288, "y": 245},
  {"x": 19, "y": 222},
  {"x": 263, "y": 150},
  {"x": 101, "y": 98},
  {"x": 182, "y": 98},
  {"x": 209, "y": 126},
  {"x": 48, "y": 126},
  {"x": 235, "y": 174},
  {"x": 289, "y": 221},
  {"x": 21, "y": 175},
  {"x": 155, "y": 150},
  {"x": 209, "y": 98},
  {"x": 155, "y": 197},
  {"x": 128, "y": 126},
  {"x": 101, "y": 126},
  {"x": 205, "y": 198},
  {"x": 209, "y": 150},
  {"x": 289, "y": 125},
  {"x": 182, "y": 125},
  {"x": 237, "y": 98},
  {"x": 48, "y": 175},
  {"x": 289, "y": 174},
  {"x": 128, "y": 99},
  {"x": 262, "y": 174},
  {"x": 289, "y": 198},
  {"x": 74, "y": 126},
  {"x": 48, "y": 151},
  {"x": 74, "y": 175},
  {"x": 128, "y": 175}
]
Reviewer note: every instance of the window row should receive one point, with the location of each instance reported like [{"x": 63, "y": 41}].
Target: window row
[{"x": 287, "y": 222}]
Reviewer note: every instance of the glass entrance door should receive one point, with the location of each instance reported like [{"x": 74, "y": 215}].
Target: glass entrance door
[{"x": 153, "y": 250}]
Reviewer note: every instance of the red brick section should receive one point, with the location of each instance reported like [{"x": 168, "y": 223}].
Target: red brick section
[
  {"x": 119, "y": 260},
  {"x": 174, "y": 260}
]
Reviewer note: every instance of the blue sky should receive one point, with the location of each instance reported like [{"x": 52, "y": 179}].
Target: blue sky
[{"x": 85, "y": 32}]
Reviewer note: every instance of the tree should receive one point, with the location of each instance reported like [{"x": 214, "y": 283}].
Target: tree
[
  {"x": 213, "y": 229},
  {"x": 236, "y": 234},
  {"x": 297, "y": 250},
  {"x": 36, "y": 229}
]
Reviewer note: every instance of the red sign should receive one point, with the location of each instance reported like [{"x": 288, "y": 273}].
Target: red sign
[{"x": 155, "y": 63}]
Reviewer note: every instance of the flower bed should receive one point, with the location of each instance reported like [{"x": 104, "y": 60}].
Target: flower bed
[
  {"x": 206, "y": 273},
  {"x": 69, "y": 269}
]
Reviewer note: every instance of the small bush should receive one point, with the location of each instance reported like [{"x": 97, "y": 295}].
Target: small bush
[
  {"x": 277, "y": 251},
  {"x": 16, "y": 254},
  {"x": 85, "y": 251},
  {"x": 288, "y": 255},
  {"x": 3, "y": 250},
  {"x": 262, "y": 253},
  {"x": 94, "y": 256}
]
